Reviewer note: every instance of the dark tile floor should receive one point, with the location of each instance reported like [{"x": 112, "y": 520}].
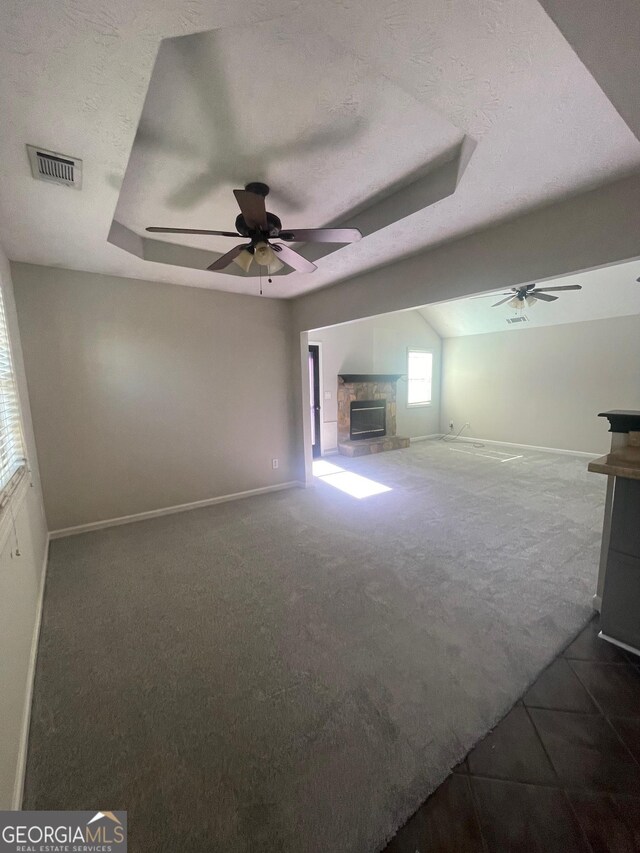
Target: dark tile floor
[{"x": 560, "y": 773}]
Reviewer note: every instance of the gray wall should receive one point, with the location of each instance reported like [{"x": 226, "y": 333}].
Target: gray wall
[
  {"x": 543, "y": 386},
  {"x": 148, "y": 395},
  {"x": 379, "y": 345},
  {"x": 20, "y": 585}
]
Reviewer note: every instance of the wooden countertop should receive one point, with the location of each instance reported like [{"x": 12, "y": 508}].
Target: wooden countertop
[{"x": 617, "y": 467}]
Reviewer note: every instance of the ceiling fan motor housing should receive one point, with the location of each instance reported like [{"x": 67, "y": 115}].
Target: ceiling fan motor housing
[
  {"x": 258, "y": 188},
  {"x": 273, "y": 222}
]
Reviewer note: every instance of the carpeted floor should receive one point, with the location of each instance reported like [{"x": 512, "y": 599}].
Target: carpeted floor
[{"x": 295, "y": 672}]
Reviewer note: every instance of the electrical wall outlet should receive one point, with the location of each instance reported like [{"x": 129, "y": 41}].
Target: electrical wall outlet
[{"x": 274, "y": 463}]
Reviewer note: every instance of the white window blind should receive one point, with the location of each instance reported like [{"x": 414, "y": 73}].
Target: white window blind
[
  {"x": 12, "y": 461},
  {"x": 419, "y": 377}
]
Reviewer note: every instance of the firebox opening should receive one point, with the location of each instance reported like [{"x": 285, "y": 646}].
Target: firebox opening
[{"x": 367, "y": 419}]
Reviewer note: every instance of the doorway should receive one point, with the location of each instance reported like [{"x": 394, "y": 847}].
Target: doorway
[{"x": 314, "y": 398}]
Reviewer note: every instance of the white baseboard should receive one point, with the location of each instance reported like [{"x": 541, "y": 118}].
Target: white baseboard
[
  {"x": 170, "y": 510},
  {"x": 461, "y": 439},
  {"x": 21, "y": 767},
  {"x": 619, "y": 643},
  {"x": 469, "y": 439}
]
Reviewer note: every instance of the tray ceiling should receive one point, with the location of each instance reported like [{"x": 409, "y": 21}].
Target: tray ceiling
[{"x": 331, "y": 103}]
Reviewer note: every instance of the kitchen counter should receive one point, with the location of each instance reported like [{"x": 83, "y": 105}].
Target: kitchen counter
[
  {"x": 624, "y": 459},
  {"x": 614, "y": 466},
  {"x": 619, "y": 580}
]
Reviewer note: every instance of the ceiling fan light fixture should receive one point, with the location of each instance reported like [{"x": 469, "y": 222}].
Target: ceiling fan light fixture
[
  {"x": 244, "y": 260},
  {"x": 516, "y": 303},
  {"x": 264, "y": 254},
  {"x": 266, "y": 257},
  {"x": 530, "y": 300}
]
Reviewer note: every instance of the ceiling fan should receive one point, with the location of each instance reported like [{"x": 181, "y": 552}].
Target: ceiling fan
[
  {"x": 261, "y": 227},
  {"x": 519, "y": 297}
]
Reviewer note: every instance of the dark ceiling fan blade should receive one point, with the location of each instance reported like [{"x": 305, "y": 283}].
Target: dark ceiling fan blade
[
  {"x": 225, "y": 260},
  {"x": 157, "y": 230},
  {"x": 496, "y": 293},
  {"x": 293, "y": 259},
  {"x": 538, "y": 295},
  {"x": 253, "y": 209},
  {"x": 565, "y": 287},
  {"x": 502, "y": 301},
  {"x": 320, "y": 235}
]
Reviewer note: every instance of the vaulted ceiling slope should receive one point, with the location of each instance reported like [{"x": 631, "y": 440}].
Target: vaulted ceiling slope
[
  {"x": 333, "y": 104},
  {"x": 612, "y": 291}
]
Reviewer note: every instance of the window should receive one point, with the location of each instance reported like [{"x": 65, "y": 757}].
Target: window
[
  {"x": 12, "y": 461},
  {"x": 419, "y": 375}
]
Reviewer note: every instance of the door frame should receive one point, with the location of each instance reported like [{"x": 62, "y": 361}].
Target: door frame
[{"x": 318, "y": 344}]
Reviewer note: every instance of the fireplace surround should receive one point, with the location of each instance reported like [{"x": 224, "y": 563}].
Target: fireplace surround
[{"x": 372, "y": 397}]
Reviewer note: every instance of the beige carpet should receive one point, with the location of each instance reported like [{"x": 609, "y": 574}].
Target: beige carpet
[{"x": 295, "y": 672}]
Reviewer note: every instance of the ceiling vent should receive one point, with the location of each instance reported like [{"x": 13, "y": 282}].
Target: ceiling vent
[
  {"x": 521, "y": 318},
  {"x": 54, "y": 167}
]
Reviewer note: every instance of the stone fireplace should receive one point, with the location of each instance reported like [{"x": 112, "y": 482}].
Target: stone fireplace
[{"x": 367, "y": 413}]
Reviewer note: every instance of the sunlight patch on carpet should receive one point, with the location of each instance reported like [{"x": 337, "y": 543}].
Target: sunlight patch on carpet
[{"x": 353, "y": 484}]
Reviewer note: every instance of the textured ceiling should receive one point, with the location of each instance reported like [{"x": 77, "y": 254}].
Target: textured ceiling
[
  {"x": 319, "y": 130},
  {"x": 330, "y": 101},
  {"x": 607, "y": 292}
]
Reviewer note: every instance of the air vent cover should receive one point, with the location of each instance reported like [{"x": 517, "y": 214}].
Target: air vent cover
[
  {"x": 54, "y": 167},
  {"x": 521, "y": 318}
]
